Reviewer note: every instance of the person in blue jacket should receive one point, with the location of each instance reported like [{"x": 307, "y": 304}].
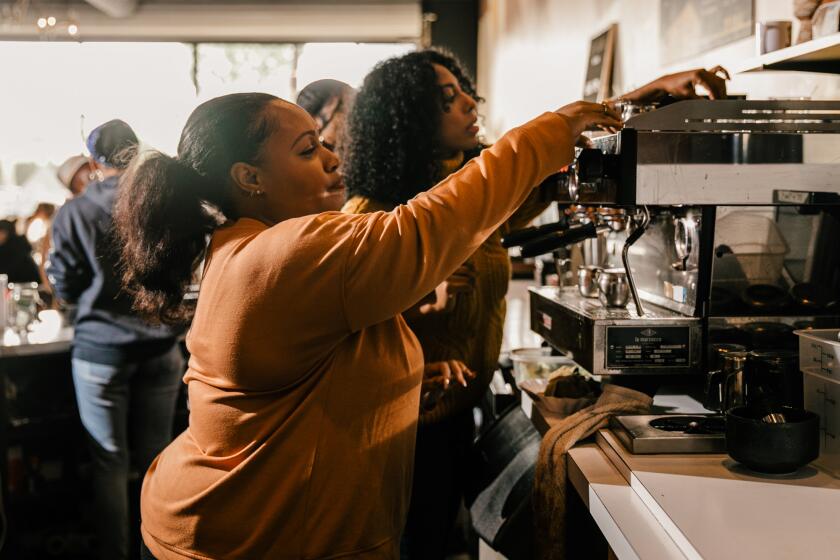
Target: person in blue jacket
[{"x": 126, "y": 372}]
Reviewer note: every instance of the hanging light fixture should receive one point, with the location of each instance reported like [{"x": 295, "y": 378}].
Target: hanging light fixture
[
  {"x": 52, "y": 27},
  {"x": 49, "y": 25}
]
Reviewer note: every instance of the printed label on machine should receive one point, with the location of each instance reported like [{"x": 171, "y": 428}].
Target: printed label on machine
[{"x": 647, "y": 346}]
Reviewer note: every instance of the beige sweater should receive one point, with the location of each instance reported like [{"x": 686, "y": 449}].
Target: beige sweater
[{"x": 304, "y": 381}]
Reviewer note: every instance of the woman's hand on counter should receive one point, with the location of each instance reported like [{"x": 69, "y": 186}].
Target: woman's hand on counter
[
  {"x": 436, "y": 379},
  {"x": 583, "y": 115},
  {"x": 683, "y": 85},
  {"x": 440, "y": 374}
]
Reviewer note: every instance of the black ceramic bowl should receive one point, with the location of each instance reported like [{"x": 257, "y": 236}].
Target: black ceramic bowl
[
  {"x": 772, "y": 448},
  {"x": 769, "y": 335},
  {"x": 765, "y": 296}
]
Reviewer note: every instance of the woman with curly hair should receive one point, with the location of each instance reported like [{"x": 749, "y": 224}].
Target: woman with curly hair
[{"x": 414, "y": 123}]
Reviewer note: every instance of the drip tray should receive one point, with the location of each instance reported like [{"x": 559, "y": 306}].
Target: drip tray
[{"x": 671, "y": 433}]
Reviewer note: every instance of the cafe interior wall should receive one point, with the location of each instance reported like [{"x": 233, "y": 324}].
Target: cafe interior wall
[{"x": 532, "y": 55}]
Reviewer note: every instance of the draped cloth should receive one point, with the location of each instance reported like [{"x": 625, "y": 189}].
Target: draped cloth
[{"x": 563, "y": 434}]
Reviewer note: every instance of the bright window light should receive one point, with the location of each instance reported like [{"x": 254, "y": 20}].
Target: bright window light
[
  {"x": 348, "y": 62},
  {"x": 56, "y": 92},
  {"x": 236, "y": 68},
  {"x": 61, "y": 90}
]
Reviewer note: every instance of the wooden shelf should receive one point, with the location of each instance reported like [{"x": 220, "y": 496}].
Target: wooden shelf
[{"x": 817, "y": 55}]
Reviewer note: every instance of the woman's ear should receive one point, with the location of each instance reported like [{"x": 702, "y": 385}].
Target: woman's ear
[{"x": 246, "y": 178}]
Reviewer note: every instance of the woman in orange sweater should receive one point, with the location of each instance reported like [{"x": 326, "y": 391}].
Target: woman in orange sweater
[{"x": 304, "y": 381}]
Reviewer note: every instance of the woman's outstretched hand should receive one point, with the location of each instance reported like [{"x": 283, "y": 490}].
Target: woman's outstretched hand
[
  {"x": 682, "y": 85},
  {"x": 583, "y": 115}
]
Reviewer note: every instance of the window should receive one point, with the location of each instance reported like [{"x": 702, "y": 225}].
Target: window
[
  {"x": 54, "y": 93},
  {"x": 236, "y": 67},
  {"x": 348, "y": 62}
]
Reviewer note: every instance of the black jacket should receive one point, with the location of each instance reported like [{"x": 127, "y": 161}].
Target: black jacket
[{"x": 83, "y": 270}]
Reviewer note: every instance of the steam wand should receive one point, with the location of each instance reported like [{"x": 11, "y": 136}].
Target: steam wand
[{"x": 638, "y": 231}]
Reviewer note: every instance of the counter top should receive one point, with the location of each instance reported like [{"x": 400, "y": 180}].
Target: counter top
[
  {"x": 621, "y": 515},
  {"x": 704, "y": 506},
  {"x": 714, "y": 508}
]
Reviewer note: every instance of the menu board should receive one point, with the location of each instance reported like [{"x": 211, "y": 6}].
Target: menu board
[
  {"x": 599, "y": 66},
  {"x": 691, "y": 27}
]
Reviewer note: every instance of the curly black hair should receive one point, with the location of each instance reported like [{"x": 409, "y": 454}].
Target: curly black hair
[{"x": 394, "y": 126}]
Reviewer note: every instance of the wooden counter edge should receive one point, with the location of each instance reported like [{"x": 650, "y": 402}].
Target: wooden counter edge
[{"x": 587, "y": 464}]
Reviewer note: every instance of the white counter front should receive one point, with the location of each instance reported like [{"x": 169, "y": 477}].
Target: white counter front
[{"x": 705, "y": 506}]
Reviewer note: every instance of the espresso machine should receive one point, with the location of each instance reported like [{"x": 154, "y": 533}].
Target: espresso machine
[{"x": 721, "y": 224}]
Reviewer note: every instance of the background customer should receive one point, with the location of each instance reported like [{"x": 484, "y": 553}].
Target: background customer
[
  {"x": 123, "y": 368},
  {"x": 329, "y": 102}
]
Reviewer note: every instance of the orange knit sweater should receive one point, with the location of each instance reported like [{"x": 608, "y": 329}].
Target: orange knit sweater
[
  {"x": 304, "y": 380},
  {"x": 473, "y": 329}
]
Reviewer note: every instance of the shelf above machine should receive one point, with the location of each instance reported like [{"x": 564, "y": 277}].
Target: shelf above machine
[{"x": 817, "y": 55}]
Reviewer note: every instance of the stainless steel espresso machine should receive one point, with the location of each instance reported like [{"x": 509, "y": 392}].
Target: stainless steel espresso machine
[{"x": 720, "y": 219}]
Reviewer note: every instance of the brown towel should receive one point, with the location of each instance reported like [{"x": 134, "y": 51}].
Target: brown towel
[
  {"x": 550, "y": 476},
  {"x": 562, "y": 397}
]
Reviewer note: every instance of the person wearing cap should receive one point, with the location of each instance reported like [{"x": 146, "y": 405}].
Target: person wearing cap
[
  {"x": 75, "y": 173},
  {"x": 119, "y": 361}
]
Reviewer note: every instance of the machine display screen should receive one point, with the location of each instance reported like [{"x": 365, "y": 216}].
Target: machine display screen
[{"x": 648, "y": 347}]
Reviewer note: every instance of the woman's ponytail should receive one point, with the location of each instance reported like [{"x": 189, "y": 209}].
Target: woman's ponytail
[
  {"x": 161, "y": 224},
  {"x": 166, "y": 207}
]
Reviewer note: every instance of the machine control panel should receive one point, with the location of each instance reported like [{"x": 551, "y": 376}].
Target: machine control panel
[
  {"x": 656, "y": 346},
  {"x": 616, "y": 341}
]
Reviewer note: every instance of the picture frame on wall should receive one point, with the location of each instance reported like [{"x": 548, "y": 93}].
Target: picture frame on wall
[
  {"x": 599, "y": 66},
  {"x": 689, "y": 28}
]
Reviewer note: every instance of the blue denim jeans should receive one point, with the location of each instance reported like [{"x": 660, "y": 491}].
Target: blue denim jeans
[{"x": 105, "y": 394}]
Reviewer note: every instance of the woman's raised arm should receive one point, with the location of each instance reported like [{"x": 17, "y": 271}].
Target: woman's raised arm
[{"x": 398, "y": 257}]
